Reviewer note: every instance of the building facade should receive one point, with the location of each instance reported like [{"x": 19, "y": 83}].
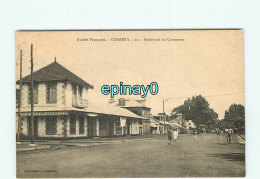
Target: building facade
[
  {"x": 62, "y": 110},
  {"x": 137, "y": 107}
]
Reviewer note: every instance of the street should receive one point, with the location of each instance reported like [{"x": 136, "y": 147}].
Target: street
[{"x": 151, "y": 157}]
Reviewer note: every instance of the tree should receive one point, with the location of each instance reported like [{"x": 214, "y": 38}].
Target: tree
[
  {"x": 197, "y": 109},
  {"x": 234, "y": 117}
]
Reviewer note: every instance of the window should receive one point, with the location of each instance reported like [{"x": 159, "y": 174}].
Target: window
[
  {"x": 51, "y": 125},
  {"x": 77, "y": 91},
  {"x": 51, "y": 93},
  {"x": 72, "y": 125},
  {"x": 80, "y": 89},
  {"x": 81, "y": 125},
  {"x": 35, "y": 94},
  {"x": 118, "y": 123},
  {"x": 74, "y": 91}
]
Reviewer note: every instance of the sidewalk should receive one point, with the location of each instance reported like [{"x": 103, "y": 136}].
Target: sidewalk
[
  {"x": 25, "y": 147},
  {"x": 113, "y": 139},
  {"x": 57, "y": 144}
]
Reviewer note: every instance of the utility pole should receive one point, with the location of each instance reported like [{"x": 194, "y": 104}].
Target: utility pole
[
  {"x": 163, "y": 118},
  {"x": 32, "y": 121},
  {"x": 20, "y": 98}
]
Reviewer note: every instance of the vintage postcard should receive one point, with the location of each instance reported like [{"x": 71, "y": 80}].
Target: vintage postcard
[{"x": 130, "y": 104}]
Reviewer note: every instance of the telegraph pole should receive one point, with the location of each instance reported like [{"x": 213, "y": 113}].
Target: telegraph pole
[
  {"x": 32, "y": 121},
  {"x": 20, "y": 98},
  {"x": 163, "y": 118}
]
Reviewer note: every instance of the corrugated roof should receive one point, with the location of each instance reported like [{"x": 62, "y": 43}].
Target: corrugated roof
[
  {"x": 92, "y": 108},
  {"x": 129, "y": 103},
  {"x": 55, "y": 72},
  {"x": 117, "y": 111},
  {"x": 153, "y": 120}
]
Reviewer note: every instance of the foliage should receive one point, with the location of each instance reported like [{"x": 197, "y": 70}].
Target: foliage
[
  {"x": 234, "y": 118},
  {"x": 197, "y": 109}
]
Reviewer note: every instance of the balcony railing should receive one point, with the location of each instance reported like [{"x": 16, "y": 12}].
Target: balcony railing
[{"x": 79, "y": 103}]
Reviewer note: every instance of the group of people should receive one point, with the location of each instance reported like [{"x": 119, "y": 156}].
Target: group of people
[
  {"x": 172, "y": 135},
  {"x": 229, "y": 136}
]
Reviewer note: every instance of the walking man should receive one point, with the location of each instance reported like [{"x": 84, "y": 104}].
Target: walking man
[
  {"x": 229, "y": 136},
  {"x": 218, "y": 133},
  {"x": 169, "y": 137},
  {"x": 195, "y": 133}
]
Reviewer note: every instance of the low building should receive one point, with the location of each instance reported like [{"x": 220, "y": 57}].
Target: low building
[
  {"x": 190, "y": 126},
  {"x": 164, "y": 124},
  {"x": 139, "y": 108},
  {"x": 154, "y": 126},
  {"x": 62, "y": 110}
]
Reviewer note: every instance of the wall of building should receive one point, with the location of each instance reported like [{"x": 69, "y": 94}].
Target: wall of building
[
  {"x": 64, "y": 95},
  {"x": 60, "y": 125},
  {"x": 146, "y": 127},
  {"x": 135, "y": 127},
  {"x": 85, "y": 93},
  {"x": 68, "y": 94},
  {"x": 24, "y": 96},
  {"x": 155, "y": 130},
  {"x": 24, "y": 127},
  {"x": 59, "y": 94}
]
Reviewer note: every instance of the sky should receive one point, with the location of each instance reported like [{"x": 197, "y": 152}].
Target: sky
[{"x": 206, "y": 62}]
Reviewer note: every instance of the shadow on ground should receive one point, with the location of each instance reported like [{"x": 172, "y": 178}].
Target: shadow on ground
[{"x": 230, "y": 156}]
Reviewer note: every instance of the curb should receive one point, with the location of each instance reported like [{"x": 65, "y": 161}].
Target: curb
[{"x": 32, "y": 149}]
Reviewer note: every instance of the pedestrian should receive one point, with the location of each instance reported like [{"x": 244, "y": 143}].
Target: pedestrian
[
  {"x": 229, "y": 136},
  {"x": 169, "y": 137},
  {"x": 175, "y": 134},
  {"x": 195, "y": 133},
  {"x": 218, "y": 133}
]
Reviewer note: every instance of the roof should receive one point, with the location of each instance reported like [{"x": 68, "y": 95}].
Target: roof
[
  {"x": 117, "y": 111},
  {"x": 154, "y": 122},
  {"x": 55, "y": 72},
  {"x": 130, "y": 103},
  {"x": 97, "y": 109}
]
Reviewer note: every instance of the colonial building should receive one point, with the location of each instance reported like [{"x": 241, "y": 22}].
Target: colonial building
[
  {"x": 62, "y": 109},
  {"x": 164, "y": 124},
  {"x": 154, "y": 126},
  {"x": 187, "y": 125},
  {"x": 138, "y": 107}
]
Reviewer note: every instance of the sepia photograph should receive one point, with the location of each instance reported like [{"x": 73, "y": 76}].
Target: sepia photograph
[{"x": 130, "y": 104}]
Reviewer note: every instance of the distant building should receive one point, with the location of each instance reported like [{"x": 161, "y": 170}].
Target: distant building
[
  {"x": 188, "y": 125},
  {"x": 164, "y": 124},
  {"x": 62, "y": 109},
  {"x": 139, "y": 108},
  {"x": 154, "y": 126}
]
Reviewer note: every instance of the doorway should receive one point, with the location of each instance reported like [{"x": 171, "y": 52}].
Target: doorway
[
  {"x": 90, "y": 127},
  {"x": 35, "y": 127}
]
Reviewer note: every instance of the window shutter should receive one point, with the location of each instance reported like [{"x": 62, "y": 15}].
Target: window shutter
[
  {"x": 47, "y": 93},
  {"x": 37, "y": 94},
  {"x": 29, "y": 94},
  {"x": 55, "y": 96}
]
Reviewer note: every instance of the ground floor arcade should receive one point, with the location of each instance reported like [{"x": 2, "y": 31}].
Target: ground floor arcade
[{"x": 71, "y": 124}]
